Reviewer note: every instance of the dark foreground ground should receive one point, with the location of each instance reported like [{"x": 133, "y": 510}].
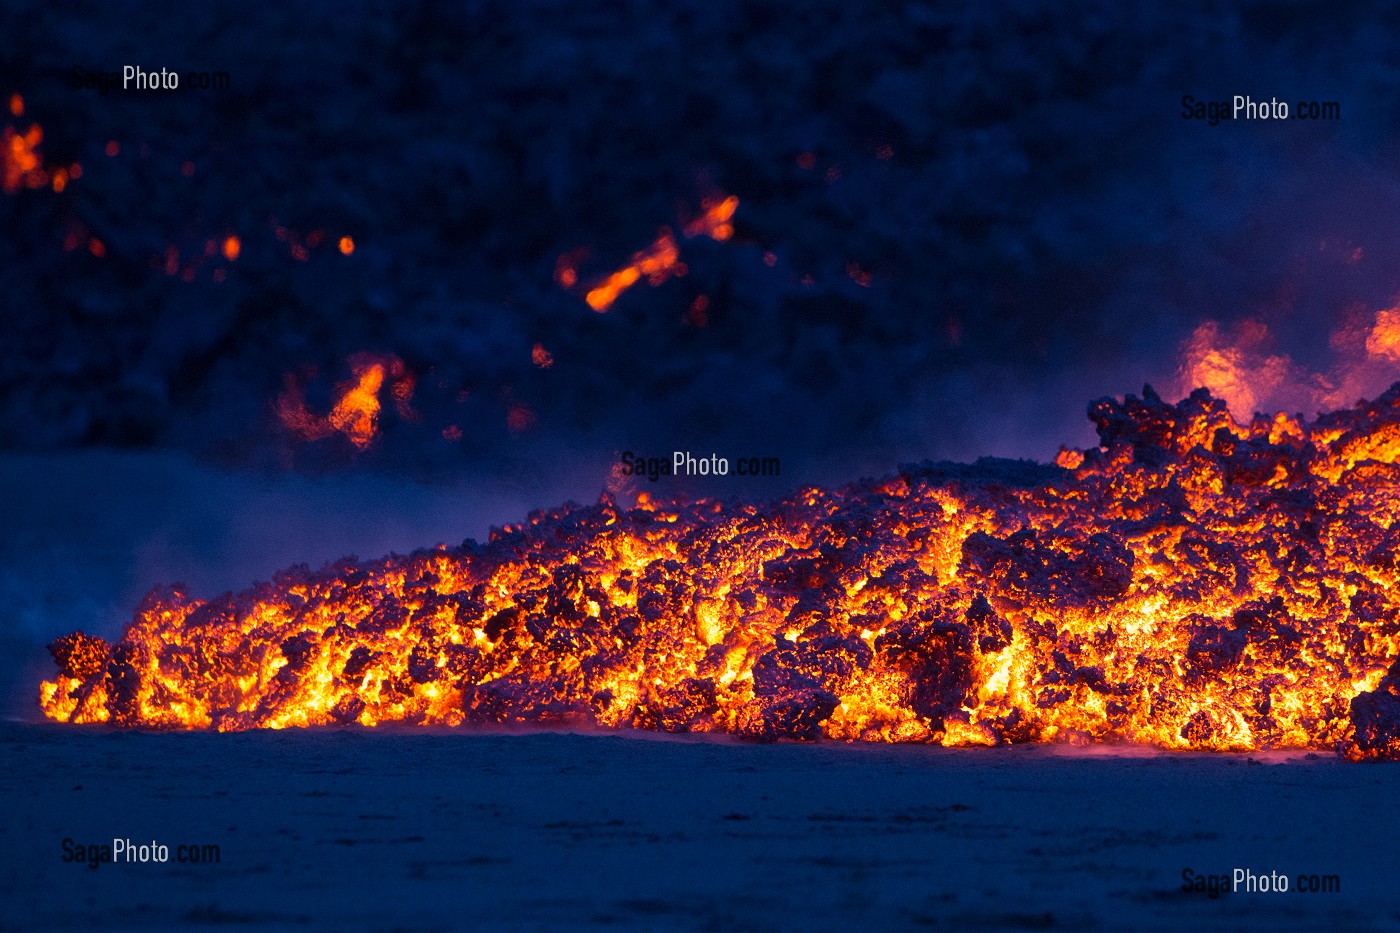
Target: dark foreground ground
[{"x": 393, "y": 830}]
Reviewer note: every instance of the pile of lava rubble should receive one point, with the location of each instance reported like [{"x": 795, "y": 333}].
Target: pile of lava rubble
[{"x": 1190, "y": 583}]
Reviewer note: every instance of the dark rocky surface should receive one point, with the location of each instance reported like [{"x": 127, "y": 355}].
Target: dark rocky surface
[{"x": 1037, "y": 223}]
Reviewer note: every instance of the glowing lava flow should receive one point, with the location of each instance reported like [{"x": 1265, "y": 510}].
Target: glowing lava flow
[{"x": 1190, "y": 583}]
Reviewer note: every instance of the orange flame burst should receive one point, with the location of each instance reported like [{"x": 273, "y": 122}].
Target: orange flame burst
[
  {"x": 356, "y": 411},
  {"x": 1188, "y": 583}
]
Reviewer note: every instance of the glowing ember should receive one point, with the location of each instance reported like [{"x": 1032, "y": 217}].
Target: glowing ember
[
  {"x": 657, "y": 262},
  {"x": 347, "y": 246},
  {"x": 1190, "y": 583},
  {"x": 566, "y": 269},
  {"x": 715, "y": 221},
  {"x": 356, "y": 411},
  {"x": 356, "y": 415},
  {"x": 697, "y": 315},
  {"x": 22, "y": 165},
  {"x": 402, "y": 391},
  {"x": 232, "y": 248},
  {"x": 520, "y": 418}
]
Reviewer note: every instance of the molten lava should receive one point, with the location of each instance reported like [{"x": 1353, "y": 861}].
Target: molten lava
[{"x": 1190, "y": 583}]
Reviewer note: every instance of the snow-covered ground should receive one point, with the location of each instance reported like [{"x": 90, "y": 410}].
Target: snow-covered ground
[{"x": 434, "y": 830}]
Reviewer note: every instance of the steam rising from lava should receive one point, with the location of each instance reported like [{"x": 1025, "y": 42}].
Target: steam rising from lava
[
  {"x": 1189, "y": 583},
  {"x": 1238, "y": 364}
]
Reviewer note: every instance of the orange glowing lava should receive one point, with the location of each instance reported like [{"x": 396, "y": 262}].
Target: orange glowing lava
[{"x": 1189, "y": 583}]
